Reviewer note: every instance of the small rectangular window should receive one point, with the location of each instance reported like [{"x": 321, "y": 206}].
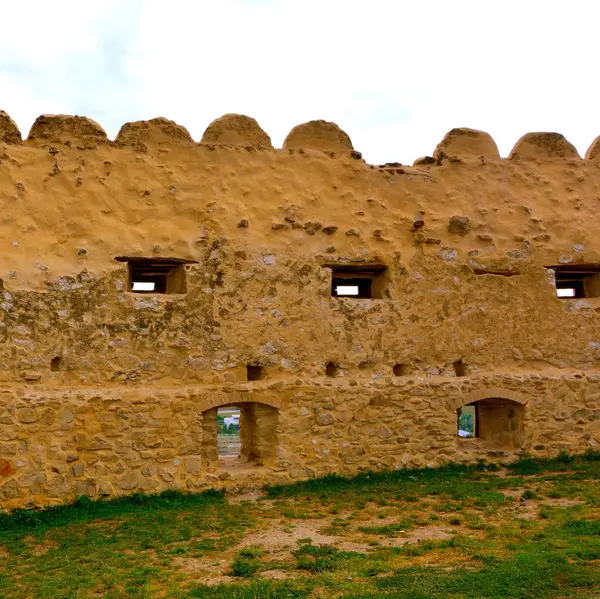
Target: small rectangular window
[
  {"x": 358, "y": 281},
  {"x": 575, "y": 281},
  {"x": 155, "y": 275},
  {"x": 254, "y": 372},
  {"x": 460, "y": 368}
]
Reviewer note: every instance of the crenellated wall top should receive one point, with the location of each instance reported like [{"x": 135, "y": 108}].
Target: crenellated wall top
[{"x": 236, "y": 130}]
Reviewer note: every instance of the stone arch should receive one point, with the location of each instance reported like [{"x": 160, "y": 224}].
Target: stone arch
[
  {"x": 226, "y": 399},
  {"x": 497, "y": 418},
  {"x": 490, "y": 393},
  {"x": 258, "y": 434}
]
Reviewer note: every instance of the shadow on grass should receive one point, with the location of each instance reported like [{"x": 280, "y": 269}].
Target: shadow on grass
[
  {"x": 85, "y": 509},
  {"x": 444, "y": 474}
]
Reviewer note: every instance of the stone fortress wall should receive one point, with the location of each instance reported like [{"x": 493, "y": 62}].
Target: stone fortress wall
[{"x": 106, "y": 391}]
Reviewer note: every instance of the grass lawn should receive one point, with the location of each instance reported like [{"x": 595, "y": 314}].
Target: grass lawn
[{"x": 531, "y": 531}]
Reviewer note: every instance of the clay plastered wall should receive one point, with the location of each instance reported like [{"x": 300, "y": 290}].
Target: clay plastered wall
[{"x": 123, "y": 408}]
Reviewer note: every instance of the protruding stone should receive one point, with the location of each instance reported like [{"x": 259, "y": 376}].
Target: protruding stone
[
  {"x": 418, "y": 221},
  {"x": 6, "y": 467},
  {"x": 28, "y": 415},
  {"x": 484, "y": 237},
  {"x": 465, "y": 142},
  {"x": 9, "y": 490},
  {"x": 77, "y": 469},
  {"x": 9, "y": 132},
  {"x": 236, "y": 130},
  {"x": 67, "y": 129},
  {"x": 324, "y": 418},
  {"x": 85, "y": 487},
  {"x": 318, "y": 135},
  {"x": 543, "y": 146},
  {"x": 593, "y": 152},
  {"x": 159, "y": 131},
  {"x": 129, "y": 482},
  {"x": 459, "y": 225}
]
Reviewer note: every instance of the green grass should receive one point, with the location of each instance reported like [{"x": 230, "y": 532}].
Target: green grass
[{"x": 534, "y": 533}]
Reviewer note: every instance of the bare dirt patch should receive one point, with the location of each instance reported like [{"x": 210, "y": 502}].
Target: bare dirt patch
[
  {"x": 216, "y": 580},
  {"x": 529, "y": 509},
  {"x": 279, "y": 535},
  {"x": 280, "y": 538},
  {"x": 277, "y": 574},
  {"x": 501, "y": 473},
  {"x": 207, "y": 571},
  {"x": 514, "y": 493},
  {"x": 561, "y": 502},
  {"x": 252, "y": 497}
]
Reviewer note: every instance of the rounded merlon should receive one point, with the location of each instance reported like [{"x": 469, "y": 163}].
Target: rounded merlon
[
  {"x": 236, "y": 130},
  {"x": 318, "y": 135},
  {"x": 543, "y": 146},
  {"x": 66, "y": 128},
  {"x": 9, "y": 132},
  {"x": 139, "y": 134},
  {"x": 466, "y": 142},
  {"x": 593, "y": 152},
  {"x": 424, "y": 161}
]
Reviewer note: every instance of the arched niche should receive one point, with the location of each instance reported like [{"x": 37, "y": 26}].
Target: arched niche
[
  {"x": 257, "y": 431},
  {"x": 492, "y": 419}
]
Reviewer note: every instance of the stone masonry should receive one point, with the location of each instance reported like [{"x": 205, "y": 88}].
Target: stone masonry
[{"x": 457, "y": 260}]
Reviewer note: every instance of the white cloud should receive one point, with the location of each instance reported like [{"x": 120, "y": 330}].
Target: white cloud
[{"x": 395, "y": 75}]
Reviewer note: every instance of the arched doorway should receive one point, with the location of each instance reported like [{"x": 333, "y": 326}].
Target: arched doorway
[
  {"x": 493, "y": 423},
  {"x": 257, "y": 430}
]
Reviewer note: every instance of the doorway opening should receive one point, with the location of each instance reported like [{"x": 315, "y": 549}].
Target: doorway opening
[
  {"x": 228, "y": 431},
  {"x": 239, "y": 435}
]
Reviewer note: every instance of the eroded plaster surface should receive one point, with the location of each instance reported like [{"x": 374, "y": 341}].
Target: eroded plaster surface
[{"x": 104, "y": 391}]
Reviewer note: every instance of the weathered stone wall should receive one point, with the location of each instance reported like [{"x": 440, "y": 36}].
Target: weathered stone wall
[
  {"x": 103, "y": 391},
  {"x": 58, "y": 445}
]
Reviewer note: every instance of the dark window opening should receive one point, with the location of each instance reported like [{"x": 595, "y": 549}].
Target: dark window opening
[
  {"x": 155, "y": 275},
  {"x": 361, "y": 288},
  {"x": 55, "y": 364},
  {"x": 359, "y": 281},
  {"x": 401, "y": 369},
  {"x": 460, "y": 368},
  {"x": 331, "y": 370},
  {"x": 575, "y": 281},
  {"x": 254, "y": 373}
]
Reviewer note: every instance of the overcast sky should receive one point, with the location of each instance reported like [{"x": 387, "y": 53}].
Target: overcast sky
[{"x": 394, "y": 75}]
